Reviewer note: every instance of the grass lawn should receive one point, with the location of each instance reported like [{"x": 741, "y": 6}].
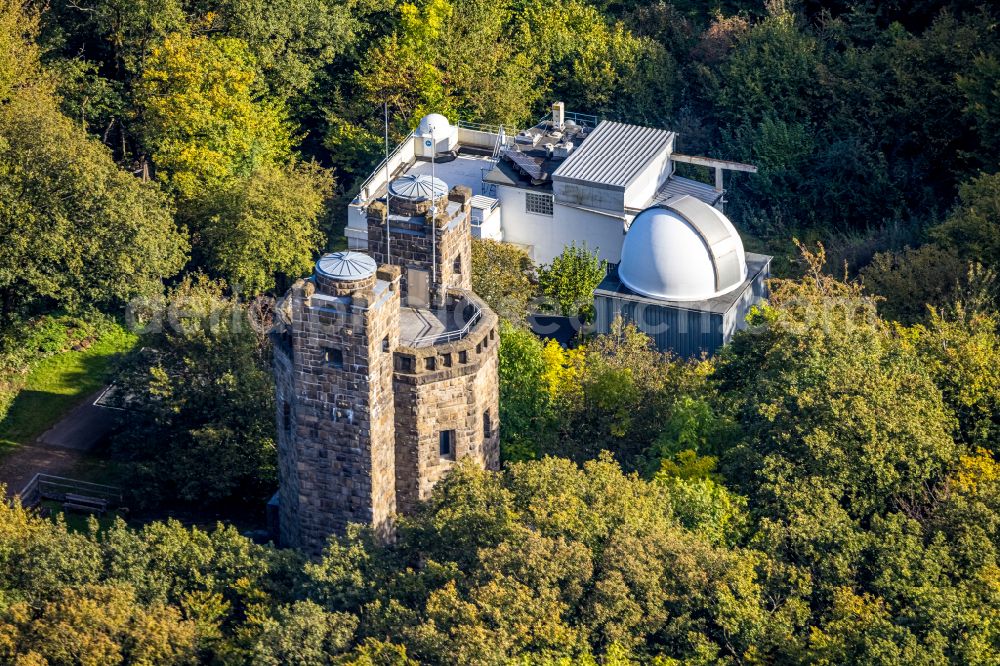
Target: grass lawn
[
  {"x": 79, "y": 522},
  {"x": 57, "y": 384}
]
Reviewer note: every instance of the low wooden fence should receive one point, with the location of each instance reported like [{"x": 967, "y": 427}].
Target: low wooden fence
[{"x": 60, "y": 489}]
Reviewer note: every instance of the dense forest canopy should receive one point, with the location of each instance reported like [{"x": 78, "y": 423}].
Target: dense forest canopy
[
  {"x": 256, "y": 119},
  {"x": 826, "y": 490}
]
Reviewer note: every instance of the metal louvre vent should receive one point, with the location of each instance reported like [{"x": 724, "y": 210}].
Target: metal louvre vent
[{"x": 540, "y": 204}]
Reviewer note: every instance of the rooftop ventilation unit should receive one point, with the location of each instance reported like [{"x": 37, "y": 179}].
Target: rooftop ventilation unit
[
  {"x": 558, "y": 115},
  {"x": 562, "y": 150},
  {"x": 526, "y": 138}
]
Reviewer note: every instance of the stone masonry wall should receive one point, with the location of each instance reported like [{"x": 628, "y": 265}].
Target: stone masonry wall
[
  {"x": 337, "y": 462},
  {"x": 411, "y": 244},
  {"x": 360, "y": 415},
  {"x": 460, "y": 393}
]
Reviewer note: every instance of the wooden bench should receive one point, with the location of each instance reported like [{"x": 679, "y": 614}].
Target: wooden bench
[
  {"x": 81, "y": 508},
  {"x": 85, "y": 503}
]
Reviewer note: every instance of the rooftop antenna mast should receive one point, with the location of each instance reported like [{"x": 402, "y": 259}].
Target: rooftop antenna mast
[
  {"x": 388, "y": 193},
  {"x": 433, "y": 208}
]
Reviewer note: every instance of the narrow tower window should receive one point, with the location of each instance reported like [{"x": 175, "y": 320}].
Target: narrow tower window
[
  {"x": 446, "y": 441},
  {"x": 334, "y": 358},
  {"x": 487, "y": 425}
]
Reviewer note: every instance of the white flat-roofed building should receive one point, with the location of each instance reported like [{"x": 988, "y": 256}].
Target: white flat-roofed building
[{"x": 568, "y": 179}]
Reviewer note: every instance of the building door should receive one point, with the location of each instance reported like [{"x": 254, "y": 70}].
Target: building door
[{"x": 418, "y": 292}]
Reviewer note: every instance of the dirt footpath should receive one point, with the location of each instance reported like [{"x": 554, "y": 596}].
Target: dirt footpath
[
  {"x": 17, "y": 468},
  {"x": 60, "y": 447}
]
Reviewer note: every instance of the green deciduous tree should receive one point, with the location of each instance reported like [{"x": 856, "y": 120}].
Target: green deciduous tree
[
  {"x": 525, "y": 405},
  {"x": 266, "y": 225},
  {"x": 200, "y": 423},
  {"x": 224, "y": 148},
  {"x": 291, "y": 40},
  {"x": 824, "y": 389},
  {"x": 571, "y": 278},
  {"x": 598, "y": 65},
  {"x": 205, "y": 116},
  {"x": 567, "y": 563},
  {"x": 981, "y": 87},
  {"x": 97, "y": 625},
  {"x": 973, "y": 228},
  {"x": 961, "y": 351},
  {"x": 303, "y": 634},
  {"x": 501, "y": 276},
  {"x": 911, "y": 280},
  {"x": 77, "y": 229}
]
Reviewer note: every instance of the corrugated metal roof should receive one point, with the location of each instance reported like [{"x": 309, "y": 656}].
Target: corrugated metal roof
[
  {"x": 678, "y": 186},
  {"x": 418, "y": 187},
  {"x": 483, "y": 202},
  {"x": 613, "y": 154}
]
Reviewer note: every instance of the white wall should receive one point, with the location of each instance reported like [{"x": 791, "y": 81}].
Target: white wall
[
  {"x": 646, "y": 183},
  {"x": 489, "y": 227},
  {"x": 357, "y": 228},
  {"x": 357, "y": 220},
  {"x": 468, "y": 136},
  {"x": 548, "y": 235}
]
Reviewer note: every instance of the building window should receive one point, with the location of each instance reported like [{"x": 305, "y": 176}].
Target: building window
[
  {"x": 463, "y": 357},
  {"x": 385, "y": 343},
  {"x": 446, "y": 358},
  {"x": 539, "y": 204},
  {"x": 334, "y": 358},
  {"x": 446, "y": 442},
  {"x": 457, "y": 267},
  {"x": 285, "y": 342},
  {"x": 286, "y": 416},
  {"x": 429, "y": 363},
  {"x": 406, "y": 364},
  {"x": 487, "y": 425}
]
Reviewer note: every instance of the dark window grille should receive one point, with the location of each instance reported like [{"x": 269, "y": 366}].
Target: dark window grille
[{"x": 540, "y": 204}]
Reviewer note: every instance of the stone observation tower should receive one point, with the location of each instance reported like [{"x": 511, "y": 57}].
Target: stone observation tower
[{"x": 385, "y": 369}]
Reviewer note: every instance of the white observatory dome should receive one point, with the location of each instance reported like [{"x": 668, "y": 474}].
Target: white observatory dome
[
  {"x": 434, "y": 125},
  {"x": 684, "y": 250}
]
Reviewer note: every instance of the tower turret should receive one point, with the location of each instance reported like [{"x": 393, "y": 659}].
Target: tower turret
[{"x": 333, "y": 368}]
